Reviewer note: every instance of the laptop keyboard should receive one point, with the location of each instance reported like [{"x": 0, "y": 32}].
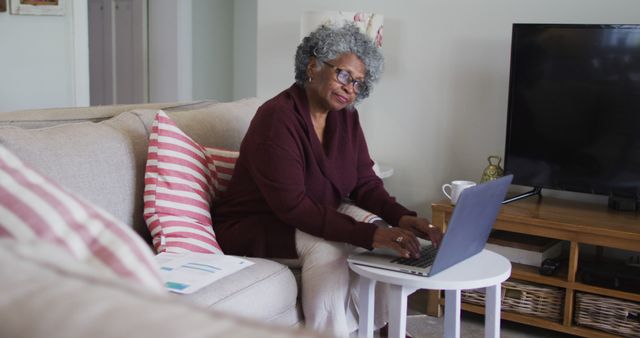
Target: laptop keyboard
[{"x": 427, "y": 256}]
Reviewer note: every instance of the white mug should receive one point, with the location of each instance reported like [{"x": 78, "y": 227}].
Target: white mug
[{"x": 456, "y": 188}]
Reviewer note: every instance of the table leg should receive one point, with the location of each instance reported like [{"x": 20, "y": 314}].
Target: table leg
[
  {"x": 398, "y": 310},
  {"x": 452, "y": 314},
  {"x": 365, "y": 307},
  {"x": 492, "y": 311}
]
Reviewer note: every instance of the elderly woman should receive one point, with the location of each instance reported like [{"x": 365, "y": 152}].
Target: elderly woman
[{"x": 303, "y": 154}]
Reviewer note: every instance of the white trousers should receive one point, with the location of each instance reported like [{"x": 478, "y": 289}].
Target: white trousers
[{"x": 330, "y": 288}]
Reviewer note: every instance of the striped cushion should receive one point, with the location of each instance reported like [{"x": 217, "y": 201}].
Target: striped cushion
[
  {"x": 34, "y": 208},
  {"x": 181, "y": 179}
]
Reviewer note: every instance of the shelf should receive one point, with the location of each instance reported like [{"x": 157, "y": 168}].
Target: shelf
[
  {"x": 634, "y": 297},
  {"x": 541, "y": 322},
  {"x": 515, "y": 317},
  {"x": 530, "y": 273}
]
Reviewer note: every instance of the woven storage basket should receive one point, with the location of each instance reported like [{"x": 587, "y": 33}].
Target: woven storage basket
[
  {"x": 608, "y": 314},
  {"x": 526, "y": 298}
]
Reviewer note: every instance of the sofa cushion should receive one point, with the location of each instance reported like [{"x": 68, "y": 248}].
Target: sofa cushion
[
  {"x": 44, "y": 292},
  {"x": 220, "y": 125},
  {"x": 266, "y": 291},
  {"x": 33, "y": 207},
  {"x": 181, "y": 179},
  {"x": 105, "y": 162},
  {"x": 102, "y": 162},
  {"x": 41, "y": 118}
]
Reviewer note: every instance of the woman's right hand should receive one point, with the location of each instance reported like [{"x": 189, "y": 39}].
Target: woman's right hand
[{"x": 402, "y": 241}]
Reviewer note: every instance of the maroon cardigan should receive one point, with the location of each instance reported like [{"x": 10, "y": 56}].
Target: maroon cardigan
[{"x": 285, "y": 179}]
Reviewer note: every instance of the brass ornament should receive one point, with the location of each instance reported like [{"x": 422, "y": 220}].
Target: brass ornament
[{"x": 493, "y": 170}]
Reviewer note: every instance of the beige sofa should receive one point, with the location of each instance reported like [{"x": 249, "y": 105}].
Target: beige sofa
[{"x": 100, "y": 154}]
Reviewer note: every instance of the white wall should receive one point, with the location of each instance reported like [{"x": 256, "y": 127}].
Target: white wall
[
  {"x": 170, "y": 51},
  {"x": 191, "y": 50},
  {"x": 44, "y": 59},
  {"x": 245, "y": 48},
  {"x": 191, "y": 46},
  {"x": 213, "y": 49},
  {"x": 440, "y": 108}
]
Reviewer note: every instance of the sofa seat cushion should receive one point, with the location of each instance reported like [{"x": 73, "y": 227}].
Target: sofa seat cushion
[
  {"x": 45, "y": 292},
  {"x": 266, "y": 291}
]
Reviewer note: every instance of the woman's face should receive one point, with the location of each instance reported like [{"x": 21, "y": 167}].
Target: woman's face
[{"x": 325, "y": 91}]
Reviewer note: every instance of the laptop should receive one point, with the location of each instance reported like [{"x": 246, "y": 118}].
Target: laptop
[{"x": 466, "y": 234}]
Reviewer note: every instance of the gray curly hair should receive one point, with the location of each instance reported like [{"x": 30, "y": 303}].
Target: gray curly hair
[{"x": 328, "y": 42}]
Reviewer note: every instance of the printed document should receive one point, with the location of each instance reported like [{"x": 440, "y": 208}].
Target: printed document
[{"x": 186, "y": 273}]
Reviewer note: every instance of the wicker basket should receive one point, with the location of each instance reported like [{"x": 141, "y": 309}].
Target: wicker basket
[
  {"x": 608, "y": 314},
  {"x": 526, "y": 298}
]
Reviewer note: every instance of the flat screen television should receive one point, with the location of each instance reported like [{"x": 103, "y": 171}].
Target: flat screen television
[{"x": 574, "y": 109}]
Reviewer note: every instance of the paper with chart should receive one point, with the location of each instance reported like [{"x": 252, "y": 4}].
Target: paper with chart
[{"x": 188, "y": 272}]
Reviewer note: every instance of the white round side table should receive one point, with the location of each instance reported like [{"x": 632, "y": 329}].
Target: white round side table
[{"x": 486, "y": 269}]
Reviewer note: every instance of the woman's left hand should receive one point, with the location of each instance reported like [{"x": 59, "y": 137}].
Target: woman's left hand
[{"x": 421, "y": 227}]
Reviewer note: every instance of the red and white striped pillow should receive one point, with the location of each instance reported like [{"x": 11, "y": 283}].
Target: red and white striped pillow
[
  {"x": 181, "y": 180},
  {"x": 34, "y": 208}
]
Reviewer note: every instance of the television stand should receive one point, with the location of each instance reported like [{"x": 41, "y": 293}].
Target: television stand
[
  {"x": 534, "y": 192},
  {"x": 623, "y": 203},
  {"x": 578, "y": 224}
]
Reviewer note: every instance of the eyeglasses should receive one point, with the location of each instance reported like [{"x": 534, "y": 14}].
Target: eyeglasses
[{"x": 345, "y": 78}]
